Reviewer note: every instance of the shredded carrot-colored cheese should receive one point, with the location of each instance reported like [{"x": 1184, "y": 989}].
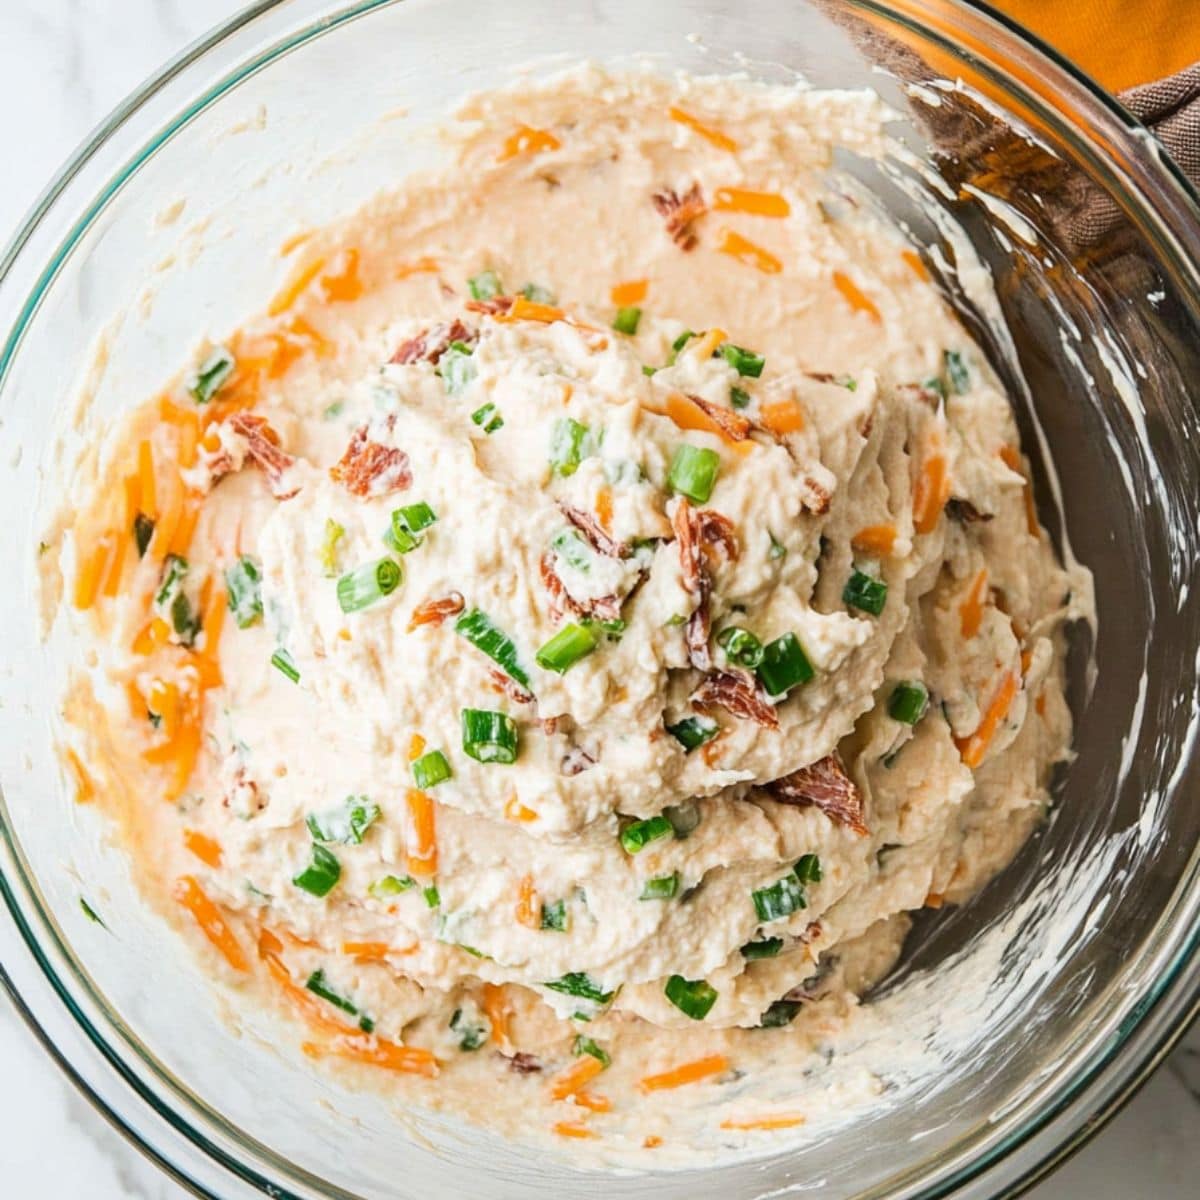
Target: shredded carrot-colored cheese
[
  {"x": 687, "y": 414},
  {"x": 1012, "y": 459},
  {"x": 721, "y": 140},
  {"x": 529, "y": 910},
  {"x": 376, "y": 1051},
  {"x": 633, "y": 291},
  {"x": 422, "y": 825},
  {"x": 212, "y": 922},
  {"x": 499, "y": 1013},
  {"x": 931, "y": 492},
  {"x": 206, "y": 849},
  {"x": 531, "y": 310},
  {"x": 527, "y": 140},
  {"x": 420, "y": 266},
  {"x": 703, "y": 348},
  {"x": 370, "y": 951},
  {"x": 783, "y": 1121},
  {"x": 746, "y": 251},
  {"x": 875, "y": 539},
  {"x": 153, "y": 636},
  {"x": 573, "y": 1129},
  {"x": 604, "y": 508},
  {"x": 759, "y": 204},
  {"x": 85, "y": 788},
  {"x": 970, "y": 611},
  {"x": 296, "y": 284},
  {"x": 416, "y": 747},
  {"x": 576, "y": 1077},
  {"x": 916, "y": 264},
  {"x": 855, "y": 296},
  {"x": 592, "y": 1102},
  {"x": 514, "y": 810},
  {"x": 89, "y": 574},
  {"x": 973, "y": 747},
  {"x": 115, "y": 567},
  {"x": 702, "y": 1068},
  {"x": 343, "y": 282},
  {"x": 782, "y": 416},
  {"x": 147, "y": 502},
  {"x": 652, "y": 1141}
]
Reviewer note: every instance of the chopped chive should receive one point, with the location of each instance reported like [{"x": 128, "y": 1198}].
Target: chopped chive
[
  {"x": 489, "y": 737},
  {"x": 457, "y": 368},
  {"x": 808, "y": 869},
  {"x": 481, "y": 631},
  {"x": 211, "y": 375},
  {"x": 567, "y": 446},
  {"x": 416, "y": 517},
  {"x": 738, "y": 397},
  {"x": 571, "y": 643},
  {"x": 848, "y": 382},
  {"x": 612, "y": 629},
  {"x": 956, "y": 371},
  {"x": 283, "y": 661},
  {"x": 403, "y": 533},
  {"x": 432, "y": 897},
  {"x": 573, "y": 550},
  {"x": 626, "y": 320},
  {"x": 744, "y": 362},
  {"x": 91, "y": 913},
  {"x": 174, "y": 571},
  {"x": 368, "y": 584},
  {"x": 784, "y": 665},
  {"x": 317, "y": 984},
  {"x": 678, "y": 344},
  {"x": 934, "y": 384},
  {"x": 693, "y": 997},
  {"x": 431, "y": 769},
  {"x": 321, "y": 874},
  {"x": 334, "y": 532},
  {"x": 554, "y": 916},
  {"x": 585, "y": 1045},
  {"x": 694, "y": 731},
  {"x": 487, "y": 417},
  {"x": 640, "y": 834},
  {"x": 663, "y": 887},
  {"x": 684, "y": 818},
  {"x": 762, "y": 948},
  {"x": 333, "y": 410},
  {"x": 864, "y": 592},
  {"x": 536, "y": 294},
  {"x": 579, "y": 983},
  {"x": 781, "y": 899},
  {"x": 172, "y": 600},
  {"x": 648, "y": 370},
  {"x": 485, "y": 286},
  {"x": 908, "y": 702},
  {"x": 471, "y": 1033},
  {"x": 391, "y": 885},
  {"x": 740, "y": 646},
  {"x": 694, "y": 472},
  {"x": 143, "y": 531},
  {"x": 778, "y": 549},
  {"x": 778, "y": 1014},
  {"x": 243, "y": 590},
  {"x": 346, "y": 824}
]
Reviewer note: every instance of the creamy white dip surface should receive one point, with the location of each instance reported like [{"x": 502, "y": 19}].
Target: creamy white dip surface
[{"x": 549, "y": 653}]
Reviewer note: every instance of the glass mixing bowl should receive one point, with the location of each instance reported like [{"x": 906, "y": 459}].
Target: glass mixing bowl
[{"x": 1045, "y": 1001}]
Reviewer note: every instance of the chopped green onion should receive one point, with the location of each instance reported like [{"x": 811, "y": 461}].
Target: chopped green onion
[
  {"x": 571, "y": 643},
  {"x": 321, "y": 874},
  {"x": 431, "y": 769},
  {"x": 537, "y": 294},
  {"x": 143, "y": 531},
  {"x": 174, "y": 572},
  {"x": 579, "y": 983},
  {"x": 694, "y": 731},
  {"x": 567, "y": 446},
  {"x": 744, "y": 362},
  {"x": 678, "y": 344},
  {"x": 613, "y": 629},
  {"x": 211, "y": 375},
  {"x": 334, "y": 532},
  {"x": 956, "y": 371},
  {"x": 573, "y": 550},
  {"x": 640, "y": 834},
  {"x": 585, "y": 1045},
  {"x": 848, "y": 382},
  {"x": 694, "y": 472},
  {"x": 626, "y": 320},
  {"x": 864, "y": 592},
  {"x": 738, "y": 397},
  {"x": 808, "y": 869},
  {"x": 489, "y": 737},
  {"x": 780, "y": 1013},
  {"x": 403, "y": 534},
  {"x": 416, "y": 517},
  {"x": 457, "y": 368},
  {"x": 91, "y": 913},
  {"x": 391, "y": 885},
  {"x": 664, "y": 887},
  {"x": 487, "y": 417},
  {"x": 243, "y": 590},
  {"x": 333, "y": 410},
  {"x": 554, "y": 916},
  {"x": 485, "y": 286},
  {"x": 780, "y": 899},
  {"x": 908, "y": 702},
  {"x": 346, "y": 824},
  {"x": 684, "y": 818},
  {"x": 479, "y": 629},
  {"x": 368, "y": 584},
  {"x": 433, "y": 898},
  {"x": 934, "y": 384},
  {"x": 784, "y": 665},
  {"x": 173, "y": 600},
  {"x": 693, "y": 997},
  {"x": 316, "y": 984},
  {"x": 283, "y": 661},
  {"x": 740, "y": 646},
  {"x": 763, "y": 948},
  {"x": 649, "y": 370},
  {"x": 471, "y": 1033},
  {"x": 778, "y": 549}
]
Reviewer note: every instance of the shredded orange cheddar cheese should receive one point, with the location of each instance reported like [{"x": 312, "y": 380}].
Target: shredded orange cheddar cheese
[
  {"x": 975, "y": 746},
  {"x": 212, "y": 922},
  {"x": 632, "y": 292},
  {"x": 855, "y": 296},
  {"x": 783, "y": 1121},
  {"x": 576, "y": 1077},
  {"x": 760, "y": 204},
  {"x": 970, "y": 612},
  {"x": 206, "y": 849},
  {"x": 422, "y": 844},
  {"x": 721, "y": 140},
  {"x": 875, "y": 539},
  {"x": 782, "y": 416},
  {"x": 527, "y": 140},
  {"x": 693, "y": 1072},
  {"x": 748, "y": 252}
]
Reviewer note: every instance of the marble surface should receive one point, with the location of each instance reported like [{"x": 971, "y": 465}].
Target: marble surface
[{"x": 76, "y": 59}]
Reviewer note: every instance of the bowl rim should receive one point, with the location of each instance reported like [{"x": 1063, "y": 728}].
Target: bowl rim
[{"x": 1051, "y": 1134}]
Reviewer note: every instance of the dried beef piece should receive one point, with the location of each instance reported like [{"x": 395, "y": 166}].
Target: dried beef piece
[
  {"x": 602, "y": 608},
  {"x": 369, "y": 468},
  {"x": 738, "y": 692},
  {"x": 687, "y": 538},
  {"x": 493, "y": 307},
  {"x": 964, "y": 512},
  {"x": 522, "y": 1063},
  {"x": 434, "y": 612},
  {"x": 430, "y": 345},
  {"x": 816, "y": 496},
  {"x": 696, "y": 634},
  {"x": 510, "y": 687},
  {"x": 824, "y": 785},
  {"x": 717, "y": 533},
  {"x": 735, "y": 426},
  {"x": 594, "y": 533},
  {"x": 263, "y": 449},
  {"x": 576, "y": 761},
  {"x": 680, "y": 213}
]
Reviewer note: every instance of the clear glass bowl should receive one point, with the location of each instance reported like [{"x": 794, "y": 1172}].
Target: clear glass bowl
[{"x": 1044, "y": 1002}]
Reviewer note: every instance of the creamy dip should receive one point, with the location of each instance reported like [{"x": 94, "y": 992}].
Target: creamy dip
[{"x": 575, "y": 625}]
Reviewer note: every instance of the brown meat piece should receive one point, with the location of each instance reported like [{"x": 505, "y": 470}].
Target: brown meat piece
[
  {"x": 262, "y": 449},
  {"x": 735, "y": 427},
  {"x": 680, "y": 213},
  {"x": 433, "y": 343},
  {"x": 594, "y": 533},
  {"x": 824, "y": 785},
  {"x": 434, "y": 612},
  {"x": 604, "y": 608},
  {"x": 369, "y": 468},
  {"x": 740, "y": 693},
  {"x": 509, "y": 686}
]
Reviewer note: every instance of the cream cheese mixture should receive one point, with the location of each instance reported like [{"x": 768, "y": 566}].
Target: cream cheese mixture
[{"x": 549, "y": 653}]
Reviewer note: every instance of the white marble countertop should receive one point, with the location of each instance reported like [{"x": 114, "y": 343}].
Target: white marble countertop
[{"x": 63, "y": 65}]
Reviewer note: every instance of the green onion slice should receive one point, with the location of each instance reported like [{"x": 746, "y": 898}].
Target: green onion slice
[
  {"x": 535, "y": 293},
  {"x": 473, "y": 1032},
  {"x": 738, "y": 397},
  {"x": 489, "y": 737},
  {"x": 317, "y": 984},
  {"x": 780, "y": 1013},
  {"x": 368, "y": 584},
  {"x": 693, "y": 997},
  {"x": 554, "y": 916},
  {"x": 678, "y": 344},
  {"x": 433, "y": 898},
  {"x": 579, "y": 983},
  {"x": 694, "y": 731},
  {"x": 626, "y": 320},
  {"x": 744, "y": 362},
  {"x": 391, "y": 885},
  {"x": 143, "y": 531},
  {"x": 243, "y": 589},
  {"x": 573, "y": 550},
  {"x": 571, "y": 643},
  {"x": 485, "y": 286},
  {"x": 403, "y": 534},
  {"x": 908, "y": 702},
  {"x": 568, "y": 446},
  {"x": 585, "y": 1045},
  {"x": 664, "y": 887},
  {"x": 640, "y": 834},
  {"x": 211, "y": 375},
  {"x": 808, "y": 869},
  {"x": 784, "y": 665},
  {"x": 487, "y": 417},
  {"x": 694, "y": 472},
  {"x": 864, "y": 592},
  {"x": 284, "y": 662},
  {"x": 431, "y": 769},
  {"x": 741, "y": 646},
  {"x": 780, "y": 899},
  {"x": 778, "y": 549},
  {"x": 762, "y": 948},
  {"x": 484, "y": 634},
  {"x": 334, "y": 532},
  {"x": 346, "y": 824},
  {"x": 956, "y": 371},
  {"x": 457, "y": 368},
  {"x": 321, "y": 874},
  {"x": 91, "y": 914}
]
